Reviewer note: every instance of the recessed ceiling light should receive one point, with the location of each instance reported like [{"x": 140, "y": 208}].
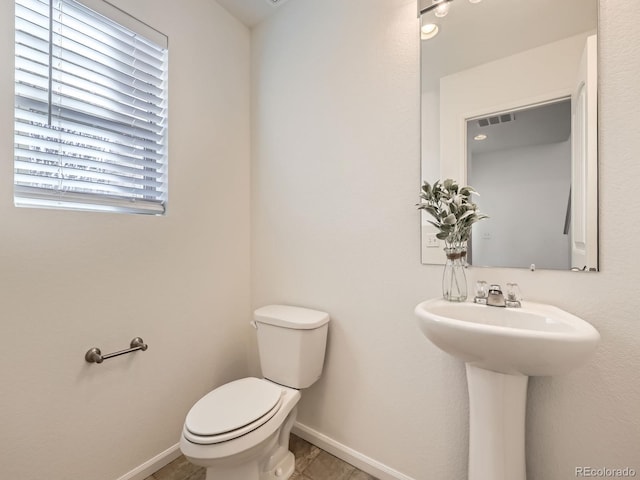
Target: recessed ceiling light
[
  {"x": 480, "y": 136},
  {"x": 428, "y": 30}
]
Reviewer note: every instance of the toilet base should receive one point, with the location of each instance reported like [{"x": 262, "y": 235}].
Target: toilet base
[
  {"x": 278, "y": 465},
  {"x": 284, "y": 470},
  {"x": 281, "y": 471}
]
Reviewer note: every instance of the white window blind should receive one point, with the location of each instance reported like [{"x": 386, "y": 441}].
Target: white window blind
[{"x": 90, "y": 110}]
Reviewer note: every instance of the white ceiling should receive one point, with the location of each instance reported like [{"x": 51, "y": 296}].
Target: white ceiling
[
  {"x": 474, "y": 34},
  {"x": 538, "y": 125},
  {"x": 251, "y": 12}
]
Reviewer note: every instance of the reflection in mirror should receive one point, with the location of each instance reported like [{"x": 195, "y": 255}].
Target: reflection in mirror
[
  {"x": 524, "y": 154},
  {"x": 520, "y": 76}
]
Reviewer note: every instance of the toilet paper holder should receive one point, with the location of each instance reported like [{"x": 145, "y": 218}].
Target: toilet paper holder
[{"x": 94, "y": 355}]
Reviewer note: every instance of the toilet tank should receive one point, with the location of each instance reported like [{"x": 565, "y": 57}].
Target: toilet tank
[{"x": 291, "y": 344}]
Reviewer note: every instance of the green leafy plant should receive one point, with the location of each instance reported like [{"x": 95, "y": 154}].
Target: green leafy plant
[{"x": 452, "y": 210}]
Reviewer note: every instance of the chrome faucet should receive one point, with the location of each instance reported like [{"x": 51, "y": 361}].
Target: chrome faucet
[{"x": 495, "y": 298}]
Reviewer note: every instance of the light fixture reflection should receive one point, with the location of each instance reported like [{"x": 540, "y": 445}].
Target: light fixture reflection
[
  {"x": 442, "y": 9},
  {"x": 480, "y": 137},
  {"x": 428, "y": 30}
]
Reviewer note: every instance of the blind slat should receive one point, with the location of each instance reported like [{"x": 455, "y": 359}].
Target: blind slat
[
  {"x": 36, "y": 74},
  {"x": 126, "y": 85},
  {"x": 129, "y": 50},
  {"x": 92, "y": 28},
  {"x": 63, "y": 128},
  {"x": 131, "y": 159},
  {"x": 37, "y": 197},
  {"x": 88, "y": 48},
  {"x": 38, "y": 157},
  {"x": 61, "y": 184},
  {"x": 34, "y": 103},
  {"x": 86, "y": 177}
]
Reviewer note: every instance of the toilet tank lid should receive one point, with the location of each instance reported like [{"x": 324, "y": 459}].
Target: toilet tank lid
[{"x": 291, "y": 317}]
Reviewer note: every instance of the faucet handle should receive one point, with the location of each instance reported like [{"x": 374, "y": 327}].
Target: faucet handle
[
  {"x": 514, "y": 297},
  {"x": 481, "y": 292}
]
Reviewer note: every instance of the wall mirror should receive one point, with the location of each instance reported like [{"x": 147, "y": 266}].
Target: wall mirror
[{"x": 509, "y": 106}]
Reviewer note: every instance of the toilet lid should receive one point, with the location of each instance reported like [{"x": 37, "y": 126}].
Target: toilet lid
[{"x": 233, "y": 406}]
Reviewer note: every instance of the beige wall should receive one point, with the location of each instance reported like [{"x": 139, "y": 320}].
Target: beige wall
[
  {"x": 335, "y": 176},
  {"x": 71, "y": 280}
]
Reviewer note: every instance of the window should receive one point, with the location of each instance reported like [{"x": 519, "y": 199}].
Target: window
[{"x": 90, "y": 108}]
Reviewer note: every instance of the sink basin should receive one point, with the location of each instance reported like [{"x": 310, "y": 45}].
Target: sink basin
[
  {"x": 502, "y": 347},
  {"x": 536, "y": 339}
]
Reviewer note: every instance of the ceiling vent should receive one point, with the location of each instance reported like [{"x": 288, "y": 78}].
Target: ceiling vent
[{"x": 495, "y": 119}]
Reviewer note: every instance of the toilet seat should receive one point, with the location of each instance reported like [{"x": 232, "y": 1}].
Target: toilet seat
[{"x": 232, "y": 410}]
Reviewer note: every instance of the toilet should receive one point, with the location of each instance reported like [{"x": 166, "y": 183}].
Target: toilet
[{"x": 240, "y": 431}]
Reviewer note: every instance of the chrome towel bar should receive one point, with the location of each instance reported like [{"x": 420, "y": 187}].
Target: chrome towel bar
[{"x": 94, "y": 355}]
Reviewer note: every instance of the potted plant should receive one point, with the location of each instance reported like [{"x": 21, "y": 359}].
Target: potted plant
[{"x": 453, "y": 215}]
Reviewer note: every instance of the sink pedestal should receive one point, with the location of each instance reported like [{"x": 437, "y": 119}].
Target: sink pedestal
[{"x": 497, "y": 405}]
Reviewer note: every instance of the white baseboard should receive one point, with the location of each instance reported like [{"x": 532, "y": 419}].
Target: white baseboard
[
  {"x": 349, "y": 455},
  {"x": 154, "y": 464}
]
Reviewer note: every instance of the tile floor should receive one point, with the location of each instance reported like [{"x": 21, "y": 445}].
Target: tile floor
[{"x": 312, "y": 463}]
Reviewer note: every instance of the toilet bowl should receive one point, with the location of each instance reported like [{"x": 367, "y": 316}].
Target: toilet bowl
[
  {"x": 252, "y": 440},
  {"x": 240, "y": 430}
]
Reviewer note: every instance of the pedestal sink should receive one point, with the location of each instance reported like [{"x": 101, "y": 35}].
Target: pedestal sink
[{"x": 502, "y": 347}]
